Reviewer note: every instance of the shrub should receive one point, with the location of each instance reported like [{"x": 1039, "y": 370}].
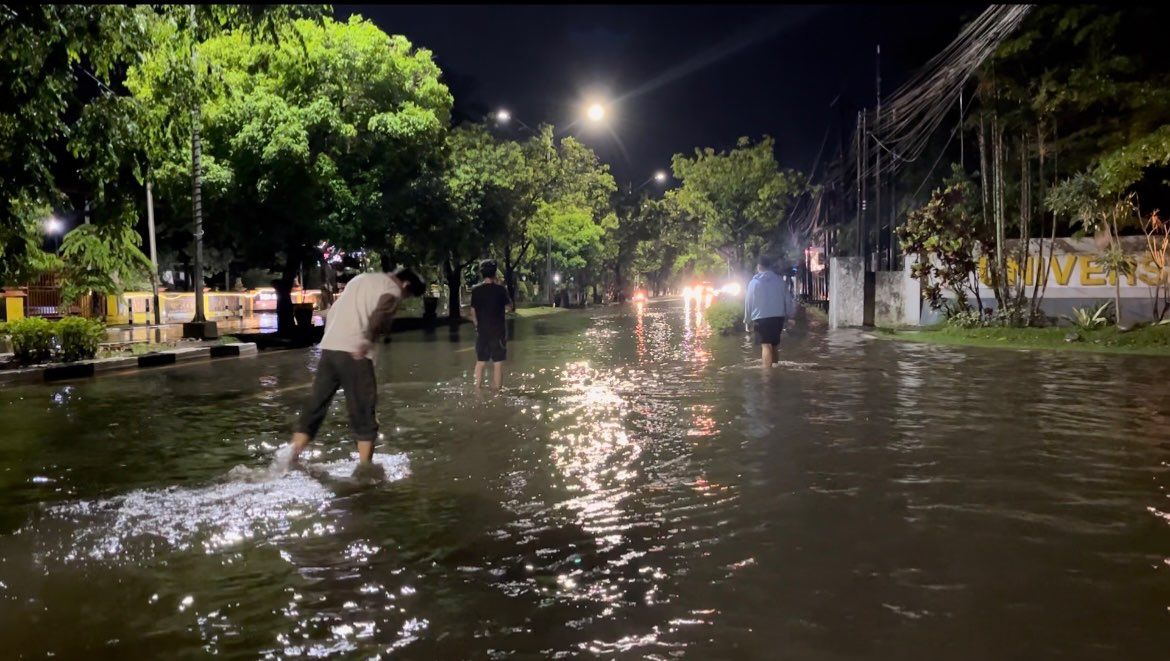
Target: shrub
[
  {"x": 966, "y": 319},
  {"x": 78, "y": 338},
  {"x": 725, "y": 316},
  {"x": 32, "y": 340},
  {"x": 1089, "y": 318}
]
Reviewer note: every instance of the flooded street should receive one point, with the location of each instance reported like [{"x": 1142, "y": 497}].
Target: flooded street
[{"x": 642, "y": 489}]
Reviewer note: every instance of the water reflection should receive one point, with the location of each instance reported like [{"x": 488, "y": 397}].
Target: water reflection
[{"x": 641, "y": 490}]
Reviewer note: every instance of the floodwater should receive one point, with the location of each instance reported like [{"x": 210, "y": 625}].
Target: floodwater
[{"x": 642, "y": 489}]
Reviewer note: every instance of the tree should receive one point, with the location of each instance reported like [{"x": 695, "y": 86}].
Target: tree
[
  {"x": 573, "y": 234},
  {"x": 944, "y": 236},
  {"x": 739, "y": 197},
  {"x": 478, "y": 182},
  {"x": 1084, "y": 199},
  {"x": 620, "y": 245},
  {"x": 555, "y": 177},
  {"x": 65, "y": 131},
  {"x": 323, "y": 134},
  {"x": 669, "y": 244}
]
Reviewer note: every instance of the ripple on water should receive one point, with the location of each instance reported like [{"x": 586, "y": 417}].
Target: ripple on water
[{"x": 254, "y": 506}]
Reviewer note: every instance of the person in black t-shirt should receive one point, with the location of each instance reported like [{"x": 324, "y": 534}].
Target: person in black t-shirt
[{"x": 489, "y": 300}]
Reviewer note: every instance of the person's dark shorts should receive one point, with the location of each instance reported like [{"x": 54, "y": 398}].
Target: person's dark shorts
[
  {"x": 338, "y": 369},
  {"x": 491, "y": 347},
  {"x": 768, "y": 329}
]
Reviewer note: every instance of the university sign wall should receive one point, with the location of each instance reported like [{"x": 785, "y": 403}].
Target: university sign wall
[{"x": 1074, "y": 273}]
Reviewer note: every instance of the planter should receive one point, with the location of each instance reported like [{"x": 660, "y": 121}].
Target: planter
[
  {"x": 303, "y": 315},
  {"x": 430, "y": 307}
]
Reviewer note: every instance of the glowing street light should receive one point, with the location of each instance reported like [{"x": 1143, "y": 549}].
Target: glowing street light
[
  {"x": 595, "y": 112},
  {"x": 54, "y": 225},
  {"x": 557, "y": 278},
  {"x": 503, "y": 116},
  {"x": 660, "y": 177}
]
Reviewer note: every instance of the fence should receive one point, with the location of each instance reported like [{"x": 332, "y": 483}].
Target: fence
[{"x": 45, "y": 300}]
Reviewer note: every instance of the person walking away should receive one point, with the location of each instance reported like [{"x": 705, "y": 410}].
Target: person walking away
[
  {"x": 361, "y": 314},
  {"x": 765, "y": 309},
  {"x": 489, "y": 301}
]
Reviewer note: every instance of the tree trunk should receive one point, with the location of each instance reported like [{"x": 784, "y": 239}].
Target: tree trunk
[
  {"x": 285, "y": 322},
  {"x": 197, "y": 188},
  {"x": 451, "y": 272},
  {"x": 1117, "y": 298}
]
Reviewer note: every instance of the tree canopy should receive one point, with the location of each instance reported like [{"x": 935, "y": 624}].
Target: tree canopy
[
  {"x": 740, "y": 197},
  {"x": 321, "y": 135}
]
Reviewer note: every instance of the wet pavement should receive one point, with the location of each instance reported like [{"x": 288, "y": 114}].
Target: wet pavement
[{"x": 642, "y": 489}]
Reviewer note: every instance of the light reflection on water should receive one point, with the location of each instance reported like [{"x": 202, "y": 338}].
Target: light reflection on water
[{"x": 641, "y": 490}]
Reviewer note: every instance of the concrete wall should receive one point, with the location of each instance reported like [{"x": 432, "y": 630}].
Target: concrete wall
[
  {"x": 898, "y": 299},
  {"x": 1132, "y": 310},
  {"x": 846, "y": 292}
]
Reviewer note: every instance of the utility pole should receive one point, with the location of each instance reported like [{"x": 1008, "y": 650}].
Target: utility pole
[
  {"x": 962, "y": 155},
  {"x": 860, "y": 131},
  {"x": 153, "y": 251},
  {"x": 877, "y": 189}
]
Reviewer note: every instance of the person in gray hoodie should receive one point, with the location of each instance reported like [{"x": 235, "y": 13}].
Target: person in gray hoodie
[{"x": 767, "y": 307}]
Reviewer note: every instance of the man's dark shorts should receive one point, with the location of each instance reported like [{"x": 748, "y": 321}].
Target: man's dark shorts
[
  {"x": 768, "y": 329},
  {"x": 338, "y": 369},
  {"x": 491, "y": 347}
]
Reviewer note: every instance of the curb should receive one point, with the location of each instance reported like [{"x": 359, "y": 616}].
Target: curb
[{"x": 91, "y": 368}]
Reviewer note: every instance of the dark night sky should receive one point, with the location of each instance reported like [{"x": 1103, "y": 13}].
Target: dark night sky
[{"x": 686, "y": 76}]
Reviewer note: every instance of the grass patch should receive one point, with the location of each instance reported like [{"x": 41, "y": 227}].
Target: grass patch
[
  {"x": 135, "y": 349},
  {"x": 815, "y": 312},
  {"x": 530, "y": 311},
  {"x": 1144, "y": 340}
]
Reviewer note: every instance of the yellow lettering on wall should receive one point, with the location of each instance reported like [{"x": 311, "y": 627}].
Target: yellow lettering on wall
[
  {"x": 983, "y": 276},
  {"x": 1013, "y": 271},
  {"x": 1153, "y": 275},
  {"x": 1063, "y": 274},
  {"x": 1091, "y": 272}
]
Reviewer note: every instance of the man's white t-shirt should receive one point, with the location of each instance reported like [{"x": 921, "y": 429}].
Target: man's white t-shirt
[{"x": 347, "y": 325}]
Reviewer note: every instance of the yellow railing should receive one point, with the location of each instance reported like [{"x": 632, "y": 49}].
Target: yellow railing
[{"x": 175, "y": 307}]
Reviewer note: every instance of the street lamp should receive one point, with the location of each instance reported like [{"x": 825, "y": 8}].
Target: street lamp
[
  {"x": 659, "y": 177},
  {"x": 502, "y": 116},
  {"x": 595, "y": 112},
  {"x": 54, "y": 227}
]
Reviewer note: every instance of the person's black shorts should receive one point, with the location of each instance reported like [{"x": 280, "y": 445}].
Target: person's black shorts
[
  {"x": 338, "y": 369},
  {"x": 768, "y": 329},
  {"x": 491, "y": 347}
]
